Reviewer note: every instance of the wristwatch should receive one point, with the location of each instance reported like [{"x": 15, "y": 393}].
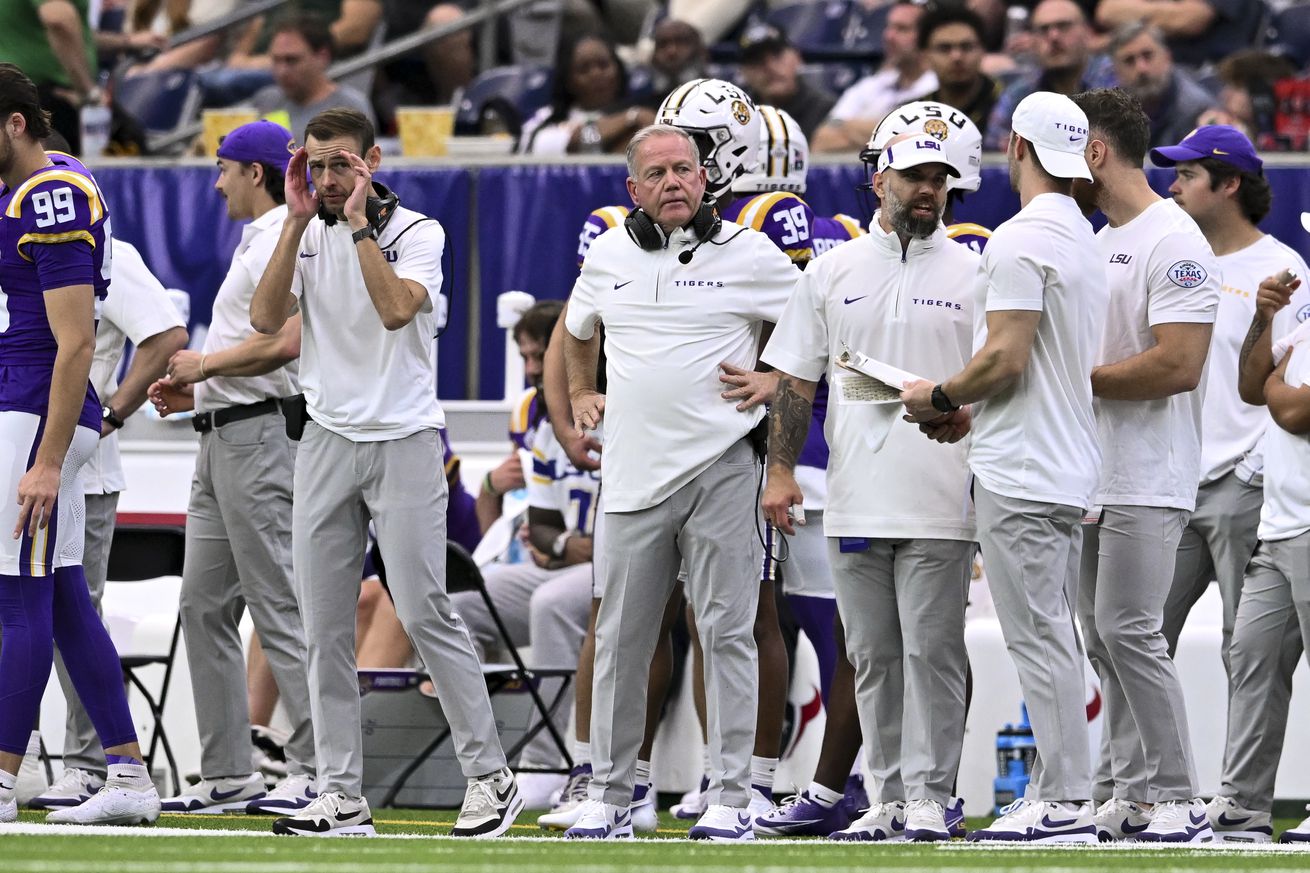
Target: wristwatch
[
  {"x": 940, "y": 401},
  {"x": 561, "y": 543},
  {"x": 107, "y": 414},
  {"x": 365, "y": 232}
]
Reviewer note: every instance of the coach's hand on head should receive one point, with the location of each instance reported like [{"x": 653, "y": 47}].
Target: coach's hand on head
[
  {"x": 301, "y": 202},
  {"x": 356, "y": 203}
]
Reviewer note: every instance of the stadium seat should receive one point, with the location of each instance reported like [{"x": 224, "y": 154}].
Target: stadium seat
[
  {"x": 831, "y": 77},
  {"x": 162, "y": 101},
  {"x": 514, "y": 91},
  {"x": 1291, "y": 34},
  {"x": 817, "y": 29},
  {"x": 140, "y": 553},
  {"x": 863, "y": 32}
]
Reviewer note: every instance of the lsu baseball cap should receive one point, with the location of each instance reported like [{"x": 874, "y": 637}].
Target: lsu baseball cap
[
  {"x": 1222, "y": 142},
  {"x": 1057, "y": 128},
  {"x": 263, "y": 142},
  {"x": 914, "y": 150},
  {"x": 759, "y": 40}
]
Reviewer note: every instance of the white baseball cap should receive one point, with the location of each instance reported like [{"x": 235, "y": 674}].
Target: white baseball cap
[
  {"x": 1057, "y": 128},
  {"x": 914, "y": 150}
]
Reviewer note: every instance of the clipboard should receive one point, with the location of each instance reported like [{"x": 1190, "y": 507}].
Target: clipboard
[{"x": 873, "y": 382}]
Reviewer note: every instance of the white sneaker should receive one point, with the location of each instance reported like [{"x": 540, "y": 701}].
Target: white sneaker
[
  {"x": 694, "y": 802},
  {"x": 601, "y": 821},
  {"x": 1036, "y": 821},
  {"x": 73, "y": 786},
  {"x": 724, "y": 824},
  {"x": 645, "y": 817},
  {"x": 1119, "y": 819},
  {"x": 333, "y": 814},
  {"x": 1178, "y": 821},
  {"x": 760, "y": 803},
  {"x": 491, "y": 804},
  {"x": 538, "y": 789},
  {"x": 1234, "y": 823},
  {"x": 115, "y": 804},
  {"x": 573, "y": 796},
  {"x": 212, "y": 796},
  {"x": 925, "y": 822},
  {"x": 32, "y": 781},
  {"x": 9, "y": 809},
  {"x": 292, "y": 794},
  {"x": 880, "y": 822},
  {"x": 1298, "y": 834}
]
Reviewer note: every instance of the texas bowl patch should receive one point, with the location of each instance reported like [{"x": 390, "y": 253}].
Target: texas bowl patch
[
  {"x": 1187, "y": 274},
  {"x": 1303, "y": 313}
]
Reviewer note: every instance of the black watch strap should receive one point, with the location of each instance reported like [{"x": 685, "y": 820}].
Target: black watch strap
[
  {"x": 366, "y": 232},
  {"x": 940, "y": 401},
  {"x": 107, "y": 414}
]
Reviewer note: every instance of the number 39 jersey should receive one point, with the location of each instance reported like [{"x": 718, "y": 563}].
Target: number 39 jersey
[
  {"x": 783, "y": 217},
  {"x": 54, "y": 233}
]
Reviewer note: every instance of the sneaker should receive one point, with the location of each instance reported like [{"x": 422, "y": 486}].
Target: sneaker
[
  {"x": 1035, "y": 821},
  {"x": 32, "y": 781},
  {"x": 491, "y": 804},
  {"x": 881, "y": 822},
  {"x": 955, "y": 817},
  {"x": 210, "y": 796},
  {"x": 269, "y": 752},
  {"x": 761, "y": 802},
  {"x": 331, "y": 814},
  {"x": 694, "y": 802},
  {"x": 291, "y": 794},
  {"x": 855, "y": 799},
  {"x": 601, "y": 821},
  {"x": 565, "y": 813},
  {"x": 925, "y": 822},
  {"x": 723, "y": 824},
  {"x": 1178, "y": 821},
  {"x": 115, "y": 804},
  {"x": 1119, "y": 819},
  {"x": 645, "y": 817},
  {"x": 1233, "y": 823},
  {"x": 801, "y": 816},
  {"x": 538, "y": 790},
  {"x": 9, "y": 809},
  {"x": 73, "y": 786},
  {"x": 1298, "y": 834}
]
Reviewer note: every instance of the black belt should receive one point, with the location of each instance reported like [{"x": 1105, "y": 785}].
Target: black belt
[{"x": 204, "y": 422}]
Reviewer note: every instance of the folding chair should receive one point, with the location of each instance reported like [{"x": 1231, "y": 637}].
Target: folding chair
[{"x": 139, "y": 553}]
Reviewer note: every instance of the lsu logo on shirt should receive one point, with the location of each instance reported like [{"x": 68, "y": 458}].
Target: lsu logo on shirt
[
  {"x": 599, "y": 221},
  {"x": 1187, "y": 274},
  {"x": 783, "y": 217}
]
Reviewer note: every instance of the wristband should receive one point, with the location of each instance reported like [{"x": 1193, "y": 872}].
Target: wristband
[
  {"x": 489, "y": 488},
  {"x": 203, "y": 377}
]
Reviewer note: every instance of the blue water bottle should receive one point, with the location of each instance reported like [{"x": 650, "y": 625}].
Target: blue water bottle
[{"x": 1015, "y": 752}]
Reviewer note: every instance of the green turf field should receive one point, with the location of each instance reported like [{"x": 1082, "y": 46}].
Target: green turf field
[{"x": 179, "y": 844}]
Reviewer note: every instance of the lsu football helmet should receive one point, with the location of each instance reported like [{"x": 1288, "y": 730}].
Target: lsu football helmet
[
  {"x": 783, "y": 156},
  {"x": 945, "y": 123},
  {"x": 723, "y": 122}
]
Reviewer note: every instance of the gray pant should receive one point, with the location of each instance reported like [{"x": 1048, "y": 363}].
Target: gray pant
[
  {"x": 1127, "y": 567},
  {"x": 82, "y": 749},
  {"x": 902, "y": 604},
  {"x": 401, "y": 484},
  {"x": 1216, "y": 544},
  {"x": 238, "y": 555},
  {"x": 1273, "y": 627},
  {"x": 712, "y": 522},
  {"x": 559, "y": 614},
  {"x": 510, "y": 587},
  {"x": 1031, "y": 553}
]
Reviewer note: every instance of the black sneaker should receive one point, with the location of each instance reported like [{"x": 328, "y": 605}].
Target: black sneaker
[
  {"x": 331, "y": 815},
  {"x": 491, "y": 804}
]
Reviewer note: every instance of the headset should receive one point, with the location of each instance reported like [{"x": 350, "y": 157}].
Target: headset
[
  {"x": 651, "y": 237},
  {"x": 378, "y": 209}
]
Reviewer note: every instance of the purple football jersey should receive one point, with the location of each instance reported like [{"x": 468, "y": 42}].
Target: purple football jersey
[
  {"x": 832, "y": 232},
  {"x": 967, "y": 233},
  {"x": 599, "y": 221},
  {"x": 782, "y": 216}
]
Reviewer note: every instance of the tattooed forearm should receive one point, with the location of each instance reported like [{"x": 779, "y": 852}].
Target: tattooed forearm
[
  {"x": 1258, "y": 327},
  {"x": 789, "y": 420}
]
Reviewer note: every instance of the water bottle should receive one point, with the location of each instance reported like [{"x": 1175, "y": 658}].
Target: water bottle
[
  {"x": 1016, "y": 750},
  {"x": 95, "y": 119}
]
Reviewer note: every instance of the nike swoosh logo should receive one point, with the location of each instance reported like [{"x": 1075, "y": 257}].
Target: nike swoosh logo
[
  {"x": 618, "y": 285},
  {"x": 1198, "y": 818},
  {"x": 1220, "y": 152},
  {"x": 1074, "y": 138},
  {"x": 506, "y": 794},
  {"x": 1130, "y": 828},
  {"x": 849, "y": 300},
  {"x": 215, "y": 794},
  {"x": 1047, "y": 823},
  {"x": 1232, "y": 822},
  {"x": 898, "y": 824},
  {"x": 309, "y": 254}
]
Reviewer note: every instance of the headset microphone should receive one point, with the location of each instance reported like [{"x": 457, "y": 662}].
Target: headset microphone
[{"x": 685, "y": 257}]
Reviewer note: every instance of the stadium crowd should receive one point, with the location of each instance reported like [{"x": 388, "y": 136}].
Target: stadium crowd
[{"x": 799, "y": 421}]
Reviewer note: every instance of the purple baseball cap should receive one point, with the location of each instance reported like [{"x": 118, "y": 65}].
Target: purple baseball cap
[
  {"x": 263, "y": 142},
  {"x": 1222, "y": 142}
]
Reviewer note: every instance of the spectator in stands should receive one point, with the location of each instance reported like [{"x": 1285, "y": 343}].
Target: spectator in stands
[
  {"x": 301, "y": 51},
  {"x": 1171, "y": 98},
  {"x": 1065, "y": 65},
  {"x": 1200, "y": 32},
  {"x": 52, "y": 43},
  {"x": 590, "y": 111},
  {"x": 770, "y": 66},
  {"x": 1246, "y": 95},
  {"x": 904, "y": 76},
  {"x": 951, "y": 37},
  {"x": 679, "y": 56}
]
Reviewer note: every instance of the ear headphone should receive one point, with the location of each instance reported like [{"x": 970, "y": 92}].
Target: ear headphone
[
  {"x": 651, "y": 237},
  {"x": 378, "y": 209}
]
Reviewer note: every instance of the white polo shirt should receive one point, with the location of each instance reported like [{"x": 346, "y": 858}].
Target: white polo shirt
[
  {"x": 136, "y": 309},
  {"x": 916, "y": 314},
  {"x": 1231, "y": 429},
  {"x": 1286, "y": 510},
  {"x": 230, "y": 323},
  {"x": 668, "y": 325},
  {"x": 1036, "y": 440},
  {"x": 1160, "y": 270},
  {"x": 362, "y": 381}
]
